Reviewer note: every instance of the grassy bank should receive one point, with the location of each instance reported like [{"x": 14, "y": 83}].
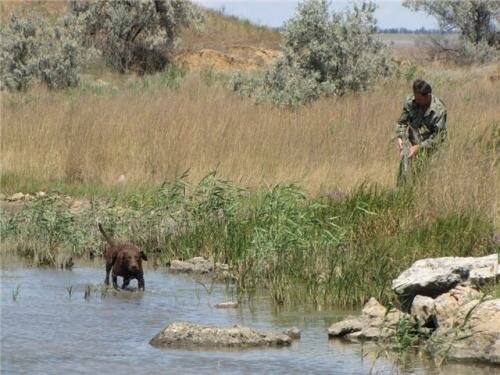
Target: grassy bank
[
  {"x": 155, "y": 128},
  {"x": 329, "y": 250}
]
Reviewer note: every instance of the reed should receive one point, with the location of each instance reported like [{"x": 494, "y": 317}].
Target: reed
[{"x": 325, "y": 251}]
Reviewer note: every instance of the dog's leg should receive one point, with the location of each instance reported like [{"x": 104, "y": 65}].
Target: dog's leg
[
  {"x": 108, "y": 270},
  {"x": 140, "y": 282},
  {"x": 115, "y": 281},
  {"x": 126, "y": 281}
]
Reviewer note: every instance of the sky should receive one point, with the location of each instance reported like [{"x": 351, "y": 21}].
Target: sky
[{"x": 389, "y": 14}]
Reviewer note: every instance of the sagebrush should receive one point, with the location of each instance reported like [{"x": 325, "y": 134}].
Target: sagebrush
[
  {"x": 325, "y": 53},
  {"x": 32, "y": 50}
]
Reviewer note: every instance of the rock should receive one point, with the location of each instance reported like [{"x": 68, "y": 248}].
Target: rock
[
  {"x": 375, "y": 322},
  {"x": 475, "y": 334},
  {"x": 434, "y": 276},
  {"x": 40, "y": 194},
  {"x": 227, "y": 305},
  {"x": 446, "y": 306},
  {"x": 200, "y": 265},
  {"x": 196, "y": 265},
  {"x": 373, "y": 309},
  {"x": 445, "y": 309},
  {"x": 370, "y": 334},
  {"x": 292, "y": 332},
  {"x": 392, "y": 318},
  {"x": 188, "y": 334},
  {"x": 2, "y": 197},
  {"x": 422, "y": 310},
  {"x": 346, "y": 326},
  {"x": 16, "y": 197}
]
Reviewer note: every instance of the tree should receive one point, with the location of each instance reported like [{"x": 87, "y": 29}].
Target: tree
[
  {"x": 473, "y": 19},
  {"x": 132, "y": 34}
]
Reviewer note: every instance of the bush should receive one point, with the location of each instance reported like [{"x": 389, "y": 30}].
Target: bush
[
  {"x": 135, "y": 34},
  {"x": 324, "y": 54},
  {"x": 31, "y": 51}
]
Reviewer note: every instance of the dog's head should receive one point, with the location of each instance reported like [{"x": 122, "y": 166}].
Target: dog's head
[{"x": 130, "y": 259}]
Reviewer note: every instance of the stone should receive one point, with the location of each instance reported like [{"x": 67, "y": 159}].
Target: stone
[
  {"x": 40, "y": 194},
  {"x": 373, "y": 309},
  {"x": 202, "y": 266},
  {"x": 446, "y": 306},
  {"x": 475, "y": 334},
  {"x": 393, "y": 316},
  {"x": 370, "y": 333},
  {"x": 434, "y": 276},
  {"x": 445, "y": 310},
  {"x": 16, "y": 197},
  {"x": 422, "y": 310},
  {"x": 184, "y": 334},
  {"x": 196, "y": 265},
  {"x": 346, "y": 326},
  {"x": 292, "y": 332},
  {"x": 227, "y": 305}
]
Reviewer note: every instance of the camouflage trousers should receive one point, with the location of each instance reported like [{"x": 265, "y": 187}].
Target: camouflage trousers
[{"x": 410, "y": 169}]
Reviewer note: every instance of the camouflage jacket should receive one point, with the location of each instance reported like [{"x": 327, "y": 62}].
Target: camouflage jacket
[{"x": 427, "y": 128}]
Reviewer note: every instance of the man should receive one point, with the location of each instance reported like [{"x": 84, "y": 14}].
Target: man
[{"x": 420, "y": 128}]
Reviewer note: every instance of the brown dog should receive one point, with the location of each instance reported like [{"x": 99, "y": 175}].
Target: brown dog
[{"x": 125, "y": 261}]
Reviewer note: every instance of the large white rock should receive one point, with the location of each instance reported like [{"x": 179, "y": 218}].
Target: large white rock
[
  {"x": 474, "y": 334},
  {"x": 189, "y": 334},
  {"x": 434, "y": 276}
]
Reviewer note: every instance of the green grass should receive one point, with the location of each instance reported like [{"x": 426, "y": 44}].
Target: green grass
[{"x": 323, "y": 251}]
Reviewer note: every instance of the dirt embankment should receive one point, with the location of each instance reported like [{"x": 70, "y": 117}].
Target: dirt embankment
[{"x": 244, "y": 58}]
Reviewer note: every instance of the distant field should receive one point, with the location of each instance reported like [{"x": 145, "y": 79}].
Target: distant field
[{"x": 408, "y": 39}]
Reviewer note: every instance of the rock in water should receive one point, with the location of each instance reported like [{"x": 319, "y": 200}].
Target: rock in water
[
  {"x": 188, "y": 334},
  {"x": 227, "y": 305},
  {"x": 292, "y": 332}
]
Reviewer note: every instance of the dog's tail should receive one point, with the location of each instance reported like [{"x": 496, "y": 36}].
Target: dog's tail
[{"x": 108, "y": 239}]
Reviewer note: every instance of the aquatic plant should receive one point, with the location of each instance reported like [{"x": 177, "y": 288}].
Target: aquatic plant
[
  {"x": 69, "y": 289},
  {"x": 87, "y": 292},
  {"x": 15, "y": 293},
  {"x": 325, "y": 250}
]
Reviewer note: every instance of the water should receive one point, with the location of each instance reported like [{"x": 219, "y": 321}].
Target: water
[{"x": 44, "y": 331}]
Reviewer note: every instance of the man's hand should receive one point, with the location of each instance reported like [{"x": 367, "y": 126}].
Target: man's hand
[
  {"x": 399, "y": 143},
  {"x": 413, "y": 150}
]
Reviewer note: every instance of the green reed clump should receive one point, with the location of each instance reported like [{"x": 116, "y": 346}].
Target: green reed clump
[{"x": 336, "y": 250}]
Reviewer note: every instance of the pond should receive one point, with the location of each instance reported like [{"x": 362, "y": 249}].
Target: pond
[{"x": 48, "y": 327}]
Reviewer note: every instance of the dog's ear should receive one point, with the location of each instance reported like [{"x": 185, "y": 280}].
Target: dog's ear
[{"x": 143, "y": 255}]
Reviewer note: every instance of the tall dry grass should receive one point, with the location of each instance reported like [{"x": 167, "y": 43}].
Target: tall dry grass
[{"x": 154, "y": 133}]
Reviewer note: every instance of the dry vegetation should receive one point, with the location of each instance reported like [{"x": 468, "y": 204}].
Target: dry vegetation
[{"x": 152, "y": 134}]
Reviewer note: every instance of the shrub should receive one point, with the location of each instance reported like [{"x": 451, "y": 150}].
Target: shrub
[
  {"x": 31, "y": 51},
  {"x": 135, "y": 34},
  {"x": 324, "y": 54}
]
